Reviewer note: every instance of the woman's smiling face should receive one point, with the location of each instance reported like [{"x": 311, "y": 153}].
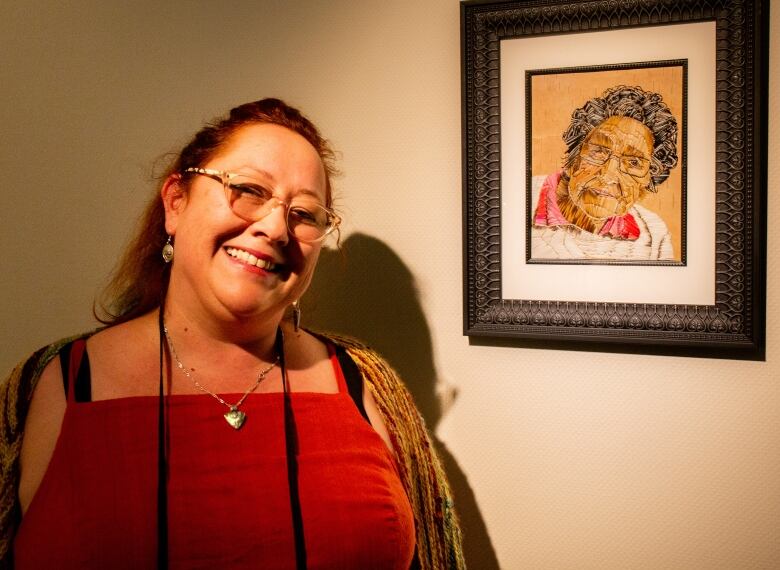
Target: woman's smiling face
[{"x": 230, "y": 268}]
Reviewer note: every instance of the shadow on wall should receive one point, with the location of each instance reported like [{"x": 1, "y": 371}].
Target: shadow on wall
[{"x": 367, "y": 292}]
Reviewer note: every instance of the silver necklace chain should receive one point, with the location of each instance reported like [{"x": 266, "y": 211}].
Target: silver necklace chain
[{"x": 234, "y": 417}]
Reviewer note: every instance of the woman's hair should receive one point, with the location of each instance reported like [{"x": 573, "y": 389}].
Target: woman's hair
[
  {"x": 140, "y": 279},
  {"x": 636, "y": 103}
]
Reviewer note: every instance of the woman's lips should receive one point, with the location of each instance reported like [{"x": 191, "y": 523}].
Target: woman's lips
[{"x": 250, "y": 259}]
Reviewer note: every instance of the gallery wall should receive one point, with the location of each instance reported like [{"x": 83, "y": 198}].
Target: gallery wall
[{"x": 559, "y": 459}]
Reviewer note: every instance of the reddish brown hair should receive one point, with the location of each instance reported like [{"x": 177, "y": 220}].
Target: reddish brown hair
[{"x": 140, "y": 279}]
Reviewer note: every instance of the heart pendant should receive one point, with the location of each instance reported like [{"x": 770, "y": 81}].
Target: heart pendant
[{"x": 235, "y": 418}]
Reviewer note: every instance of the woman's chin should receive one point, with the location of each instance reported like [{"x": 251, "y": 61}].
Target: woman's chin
[
  {"x": 248, "y": 311},
  {"x": 243, "y": 305}
]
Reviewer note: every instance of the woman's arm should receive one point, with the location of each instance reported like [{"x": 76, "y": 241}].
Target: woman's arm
[{"x": 41, "y": 430}]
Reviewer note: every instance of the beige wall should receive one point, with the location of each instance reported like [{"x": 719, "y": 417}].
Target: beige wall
[{"x": 559, "y": 459}]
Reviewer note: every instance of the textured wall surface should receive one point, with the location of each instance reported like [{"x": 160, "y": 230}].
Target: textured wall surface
[{"x": 560, "y": 459}]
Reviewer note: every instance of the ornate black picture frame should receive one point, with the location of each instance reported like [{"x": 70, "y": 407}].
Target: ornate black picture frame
[{"x": 733, "y": 324}]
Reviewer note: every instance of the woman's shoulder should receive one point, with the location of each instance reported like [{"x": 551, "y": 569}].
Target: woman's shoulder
[
  {"x": 392, "y": 395},
  {"x": 128, "y": 339},
  {"x": 352, "y": 345},
  {"x": 16, "y": 392},
  {"x": 373, "y": 366},
  {"x": 30, "y": 368}
]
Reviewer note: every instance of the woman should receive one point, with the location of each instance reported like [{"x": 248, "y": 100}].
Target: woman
[{"x": 202, "y": 427}]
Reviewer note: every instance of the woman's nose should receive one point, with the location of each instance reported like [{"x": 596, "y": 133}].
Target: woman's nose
[
  {"x": 612, "y": 164},
  {"x": 273, "y": 222}
]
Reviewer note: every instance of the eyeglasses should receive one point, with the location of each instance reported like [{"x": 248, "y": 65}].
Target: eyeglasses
[
  {"x": 307, "y": 220},
  {"x": 635, "y": 166}
]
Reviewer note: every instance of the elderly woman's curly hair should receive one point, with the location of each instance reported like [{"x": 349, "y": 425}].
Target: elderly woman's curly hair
[{"x": 636, "y": 103}]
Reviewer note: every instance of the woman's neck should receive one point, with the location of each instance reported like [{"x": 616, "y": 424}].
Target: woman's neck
[{"x": 237, "y": 342}]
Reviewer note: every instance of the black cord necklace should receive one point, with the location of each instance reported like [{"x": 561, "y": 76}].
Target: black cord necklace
[
  {"x": 291, "y": 444},
  {"x": 291, "y": 447},
  {"x": 162, "y": 467}
]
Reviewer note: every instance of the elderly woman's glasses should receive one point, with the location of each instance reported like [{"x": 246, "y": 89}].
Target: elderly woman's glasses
[
  {"x": 636, "y": 166},
  {"x": 307, "y": 220}
]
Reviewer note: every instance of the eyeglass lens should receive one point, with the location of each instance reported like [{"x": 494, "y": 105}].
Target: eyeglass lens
[
  {"x": 633, "y": 165},
  {"x": 306, "y": 218}
]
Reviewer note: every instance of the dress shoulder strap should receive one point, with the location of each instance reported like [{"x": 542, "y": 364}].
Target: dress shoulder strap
[
  {"x": 353, "y": 379},
  {"x": 76, "y": 377}
]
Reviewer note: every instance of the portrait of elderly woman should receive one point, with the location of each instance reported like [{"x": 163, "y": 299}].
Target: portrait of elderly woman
[{"x": 620, "y": 148}]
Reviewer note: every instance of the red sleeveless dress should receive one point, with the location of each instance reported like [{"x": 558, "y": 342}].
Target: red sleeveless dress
[{"x": 228, "y": 493}]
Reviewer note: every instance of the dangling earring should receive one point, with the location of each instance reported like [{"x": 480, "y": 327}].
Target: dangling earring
[
  {"x": 296, "y": 310},
  {"x": 167, "y": 251}
]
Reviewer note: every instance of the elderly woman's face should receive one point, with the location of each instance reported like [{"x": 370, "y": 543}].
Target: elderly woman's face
[
  {"x": 236, "y": 268},
  {"x": 612, "y": 170}
]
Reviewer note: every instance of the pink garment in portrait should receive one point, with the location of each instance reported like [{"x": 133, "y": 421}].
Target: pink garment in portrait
[{"x": 549, "y": 214}]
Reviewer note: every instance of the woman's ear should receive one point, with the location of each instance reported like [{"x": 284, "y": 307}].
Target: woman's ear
[{"x": 174, "y": 200}]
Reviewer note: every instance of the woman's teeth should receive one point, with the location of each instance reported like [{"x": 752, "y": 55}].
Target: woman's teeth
[{"x": 250, "y": 259}]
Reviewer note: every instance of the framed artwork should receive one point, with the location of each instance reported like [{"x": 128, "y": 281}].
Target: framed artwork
[
  {"x": 614, "y": 174},
  {"x": 614, "y": 183}
]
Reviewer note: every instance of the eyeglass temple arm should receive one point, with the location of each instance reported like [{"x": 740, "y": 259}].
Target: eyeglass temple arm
[{"x": 218, "y": 175}]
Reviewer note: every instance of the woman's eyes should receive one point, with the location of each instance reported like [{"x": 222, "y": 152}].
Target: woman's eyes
[
  {"x": 598, "y": 151},
  {"x": 303, "y": 215},
  {"x": 633, "y": 162},
  {"x": 251, "y": 190}
]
